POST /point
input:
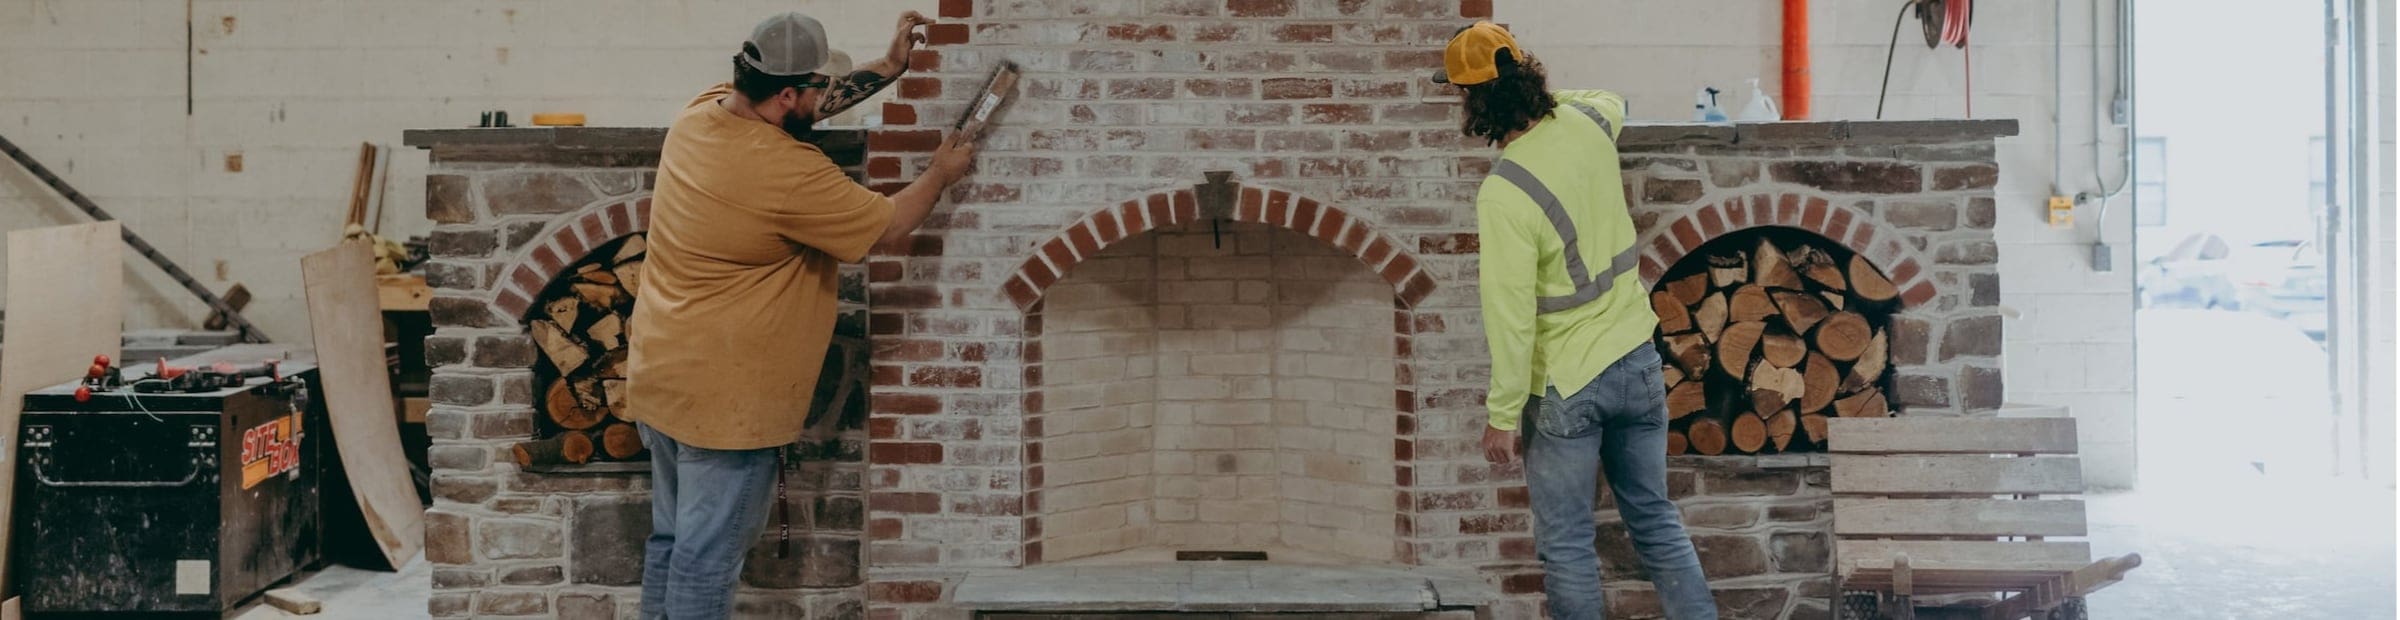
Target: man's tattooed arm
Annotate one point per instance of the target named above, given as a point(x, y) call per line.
point(849, 91)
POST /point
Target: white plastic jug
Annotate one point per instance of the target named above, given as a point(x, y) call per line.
point(1761, 107)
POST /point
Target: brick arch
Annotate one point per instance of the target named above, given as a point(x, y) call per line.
point(1885, 246)
point(1095, 232)
point(566, 240)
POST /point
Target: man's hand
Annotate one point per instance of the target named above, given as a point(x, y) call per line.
point(952, 160)
point(907, 39)
point(1499, 446)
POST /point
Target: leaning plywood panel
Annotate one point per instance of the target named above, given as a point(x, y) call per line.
point(343, 316)
point(65, 305)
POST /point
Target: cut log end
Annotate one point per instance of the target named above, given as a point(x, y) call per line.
point(1687, 398)
point(1688, 290)
point(1815, 426)
point(1676, 443)
point(1844, 336)
point(569, 448)
point(1673, 317)
point(1868, 283)
point(620, 441)
point(1707, 437)
point(566, 409)
point(1749, 433)
point(1780, 427)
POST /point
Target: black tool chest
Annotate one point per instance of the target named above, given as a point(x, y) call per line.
point(168, 502)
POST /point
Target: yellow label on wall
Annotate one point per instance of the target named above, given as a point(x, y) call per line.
point(2062, 212)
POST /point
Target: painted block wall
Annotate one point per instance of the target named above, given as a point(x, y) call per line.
point(96, 89)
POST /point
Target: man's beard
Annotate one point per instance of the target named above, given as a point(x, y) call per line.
point(800, 127)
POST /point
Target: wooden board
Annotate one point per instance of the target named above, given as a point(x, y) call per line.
point(1952, 435)
point(66, 303)
point(348, 329)
point(1952, 475)
point(1956, 554)
point(402, 292)
point(1957, 517)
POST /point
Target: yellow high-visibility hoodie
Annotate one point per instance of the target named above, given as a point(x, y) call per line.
point(1544, 329)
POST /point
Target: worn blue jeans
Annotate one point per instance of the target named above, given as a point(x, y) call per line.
point(707, 508)
point(1617, 424)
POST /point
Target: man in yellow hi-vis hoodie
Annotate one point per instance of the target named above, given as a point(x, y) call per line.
point(1569, 326)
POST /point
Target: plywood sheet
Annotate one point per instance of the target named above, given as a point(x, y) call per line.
point(343, 316)
point(66, 303)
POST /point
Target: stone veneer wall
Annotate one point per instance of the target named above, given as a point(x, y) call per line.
point(511, 207)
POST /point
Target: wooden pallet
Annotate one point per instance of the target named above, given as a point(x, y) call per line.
point(1962, 506)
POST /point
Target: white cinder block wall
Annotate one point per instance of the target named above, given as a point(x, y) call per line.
point(96, 88)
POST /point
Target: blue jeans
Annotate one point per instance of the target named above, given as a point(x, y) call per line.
point(706, 510)
point(1617, 424)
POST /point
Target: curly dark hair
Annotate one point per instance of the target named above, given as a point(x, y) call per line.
point(757, 85)
point(1510, 103)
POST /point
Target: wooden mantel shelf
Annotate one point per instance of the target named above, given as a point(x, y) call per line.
point(402, 292)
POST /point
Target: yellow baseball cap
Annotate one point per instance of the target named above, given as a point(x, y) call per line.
point(1473, 54)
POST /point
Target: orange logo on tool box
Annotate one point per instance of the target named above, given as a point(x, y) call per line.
point(271, 449)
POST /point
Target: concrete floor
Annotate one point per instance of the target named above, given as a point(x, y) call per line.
point(356, 593)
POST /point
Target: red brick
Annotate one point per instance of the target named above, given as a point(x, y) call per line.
point(1736, 215)
point(1712, 221)
point(1336, 114)
point(1404, 401)
point(1525, 583)
point(1837, 225)
point(1131, 217)
point(1221, 139)
point(884, 271)
point(1861, 238)
point(620, 220)
point(946, 376)
point(1059, 255)
point(920, 88)
point(883, 167)
point(1398, 269)
point(883, 428)
point(904, 141)
point(1141, 32)
point(526, 278)
point(513, 303)
point(1081, 239)
point(904, 453)
point(1279, 208)
point(1354, 241)
point(1304, 214)
point(1664, 245)
point(1685, 233)
point(1105, 222)
point(884, 529)
point(905, 591)
point(1453, 243)
point(946, 34)
point(1762, 210)
point(957, 8)
point(885, 324)
point(1141, 88)
point(1404, 449)
point(907, 350)
point(899, 114)
point(548, 260)
point(1917, 295)
point(1296, 88)
point(925, 60)
point(1475, 9)
point(1516, 549)
point(1303, 33)
point(1214, 88)
point(1378, 249)
point(1160, 212)
point(1905, 271)
point(1330, 224)
point(1403, 348)
point(1651, 270)
point(1259, 8)
point(1039, 273)
point(1416, 289)
point(1252, 207)
point(1186, 205)
point(907, 404)
point(1515, 497)
point(1787, 210)
point(1812, 216)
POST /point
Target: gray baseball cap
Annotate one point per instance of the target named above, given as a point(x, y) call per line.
point(787, 44)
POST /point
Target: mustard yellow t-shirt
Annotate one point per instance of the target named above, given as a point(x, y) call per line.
point(737, 298)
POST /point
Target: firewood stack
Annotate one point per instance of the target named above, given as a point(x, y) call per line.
point(579, 327)
point(1764, 342)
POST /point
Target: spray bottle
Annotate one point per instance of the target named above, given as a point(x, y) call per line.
point(1704, 109)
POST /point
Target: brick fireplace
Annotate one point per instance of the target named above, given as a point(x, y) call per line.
point(1083, 360)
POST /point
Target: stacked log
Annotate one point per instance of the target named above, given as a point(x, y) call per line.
point(1764, 339)
point(579, 329)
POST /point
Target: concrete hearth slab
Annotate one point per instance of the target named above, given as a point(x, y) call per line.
point(1222, 587)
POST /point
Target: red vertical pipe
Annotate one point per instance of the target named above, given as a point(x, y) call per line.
point(1795, 60)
